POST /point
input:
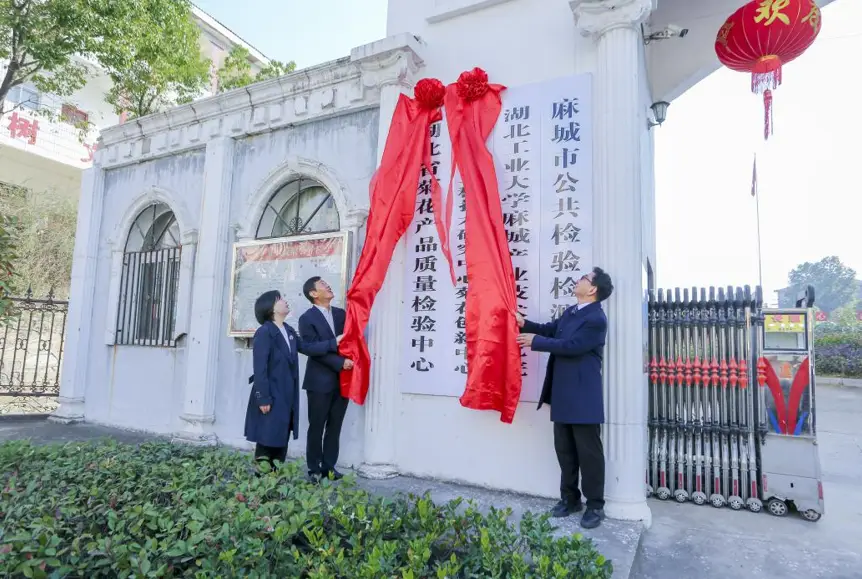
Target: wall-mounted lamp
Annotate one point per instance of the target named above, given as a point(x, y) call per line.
point(659, 113)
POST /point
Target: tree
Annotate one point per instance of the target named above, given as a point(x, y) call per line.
point(834, 283)
point(8, 226)
point(236, 70)
point(47, 44)
point(44, 239)
point(162, 65)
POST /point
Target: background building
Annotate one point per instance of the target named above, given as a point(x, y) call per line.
point(47, 152)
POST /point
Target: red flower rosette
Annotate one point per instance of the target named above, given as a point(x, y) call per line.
point(472, 84)
point(429, 93)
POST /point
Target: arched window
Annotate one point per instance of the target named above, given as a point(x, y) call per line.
point(147, 307)
point(299, 207)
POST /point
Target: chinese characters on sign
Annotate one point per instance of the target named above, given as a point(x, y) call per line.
point(284, 265)
point(23, 128)
point(427, 272)
point(543, 160)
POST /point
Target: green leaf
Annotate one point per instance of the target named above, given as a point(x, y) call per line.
point(325, 531)
point(149, 48)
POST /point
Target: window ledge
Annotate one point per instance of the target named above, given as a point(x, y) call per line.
point(447, 9)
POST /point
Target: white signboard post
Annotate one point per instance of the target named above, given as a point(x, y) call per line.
point(542, 148)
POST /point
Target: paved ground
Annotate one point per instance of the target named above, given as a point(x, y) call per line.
point(690, 541)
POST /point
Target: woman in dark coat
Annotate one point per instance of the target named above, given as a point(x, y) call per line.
point(273, 406)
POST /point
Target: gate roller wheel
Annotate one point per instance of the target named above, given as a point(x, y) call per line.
point(811, 515)
point(777, 507)
point(754, 505)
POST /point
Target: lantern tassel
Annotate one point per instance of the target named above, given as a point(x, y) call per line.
point(767, 114)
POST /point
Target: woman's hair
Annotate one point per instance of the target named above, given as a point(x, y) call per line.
point(264, 306)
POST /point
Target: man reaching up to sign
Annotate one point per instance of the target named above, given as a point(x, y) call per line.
point(573, 388)
point(326, 406)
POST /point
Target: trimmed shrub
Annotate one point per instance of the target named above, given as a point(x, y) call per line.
point(838, 354)
point(158, 510)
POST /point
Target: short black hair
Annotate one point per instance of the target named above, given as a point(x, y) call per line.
point(309, 286)
point(603, 284)
point(264, 306)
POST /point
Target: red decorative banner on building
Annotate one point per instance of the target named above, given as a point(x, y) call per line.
point(493, 357)
point(393, 203)
point(23, 128)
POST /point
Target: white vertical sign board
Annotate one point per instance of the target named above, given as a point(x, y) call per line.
point(542, 148)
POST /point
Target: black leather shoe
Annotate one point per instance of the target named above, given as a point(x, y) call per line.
point(564, 509)
point(592, 518)
point(314, 477)
point(334, 475)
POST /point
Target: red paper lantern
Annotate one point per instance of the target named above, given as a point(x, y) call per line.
point(762, 36)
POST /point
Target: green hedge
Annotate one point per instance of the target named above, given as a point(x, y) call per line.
point(838, 354)
point(158, 510)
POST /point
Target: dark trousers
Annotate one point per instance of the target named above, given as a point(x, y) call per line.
point(270, 454)
point(326, 412)
point(579, 448)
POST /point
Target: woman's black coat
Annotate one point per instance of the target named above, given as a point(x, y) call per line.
point(276, 383)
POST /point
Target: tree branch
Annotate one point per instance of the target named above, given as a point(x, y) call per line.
point(7, 85)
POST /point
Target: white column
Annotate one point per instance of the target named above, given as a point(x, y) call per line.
point(388, 66)
point(207, 326)
point(82, 294)
point(619, 124)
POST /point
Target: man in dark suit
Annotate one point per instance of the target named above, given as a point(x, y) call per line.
point(326, 406)
point(573, 388)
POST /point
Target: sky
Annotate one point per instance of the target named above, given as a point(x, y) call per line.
point(810, 194)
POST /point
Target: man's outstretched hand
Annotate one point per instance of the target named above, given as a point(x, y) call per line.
point(526, 340)
point(520, 319)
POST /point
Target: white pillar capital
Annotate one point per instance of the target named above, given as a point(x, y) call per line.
point(596, 17)
point(393, 61)
point(354, 219)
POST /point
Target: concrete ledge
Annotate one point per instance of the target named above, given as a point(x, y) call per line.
point(839, 381)
point(18, 418)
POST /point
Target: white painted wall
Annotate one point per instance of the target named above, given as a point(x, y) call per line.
point(132, 386)
point(515, 41)
point(346, 144)
point(142, 387)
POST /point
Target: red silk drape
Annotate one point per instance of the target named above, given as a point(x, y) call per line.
point(393, 204)
point(493, 356)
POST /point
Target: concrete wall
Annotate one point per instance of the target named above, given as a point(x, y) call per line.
point(132, 386)
point(515, 41)
point(142, 387)
point(348, 146)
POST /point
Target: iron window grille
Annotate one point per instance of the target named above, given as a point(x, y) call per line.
point(149, 284)
point(299, 207)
